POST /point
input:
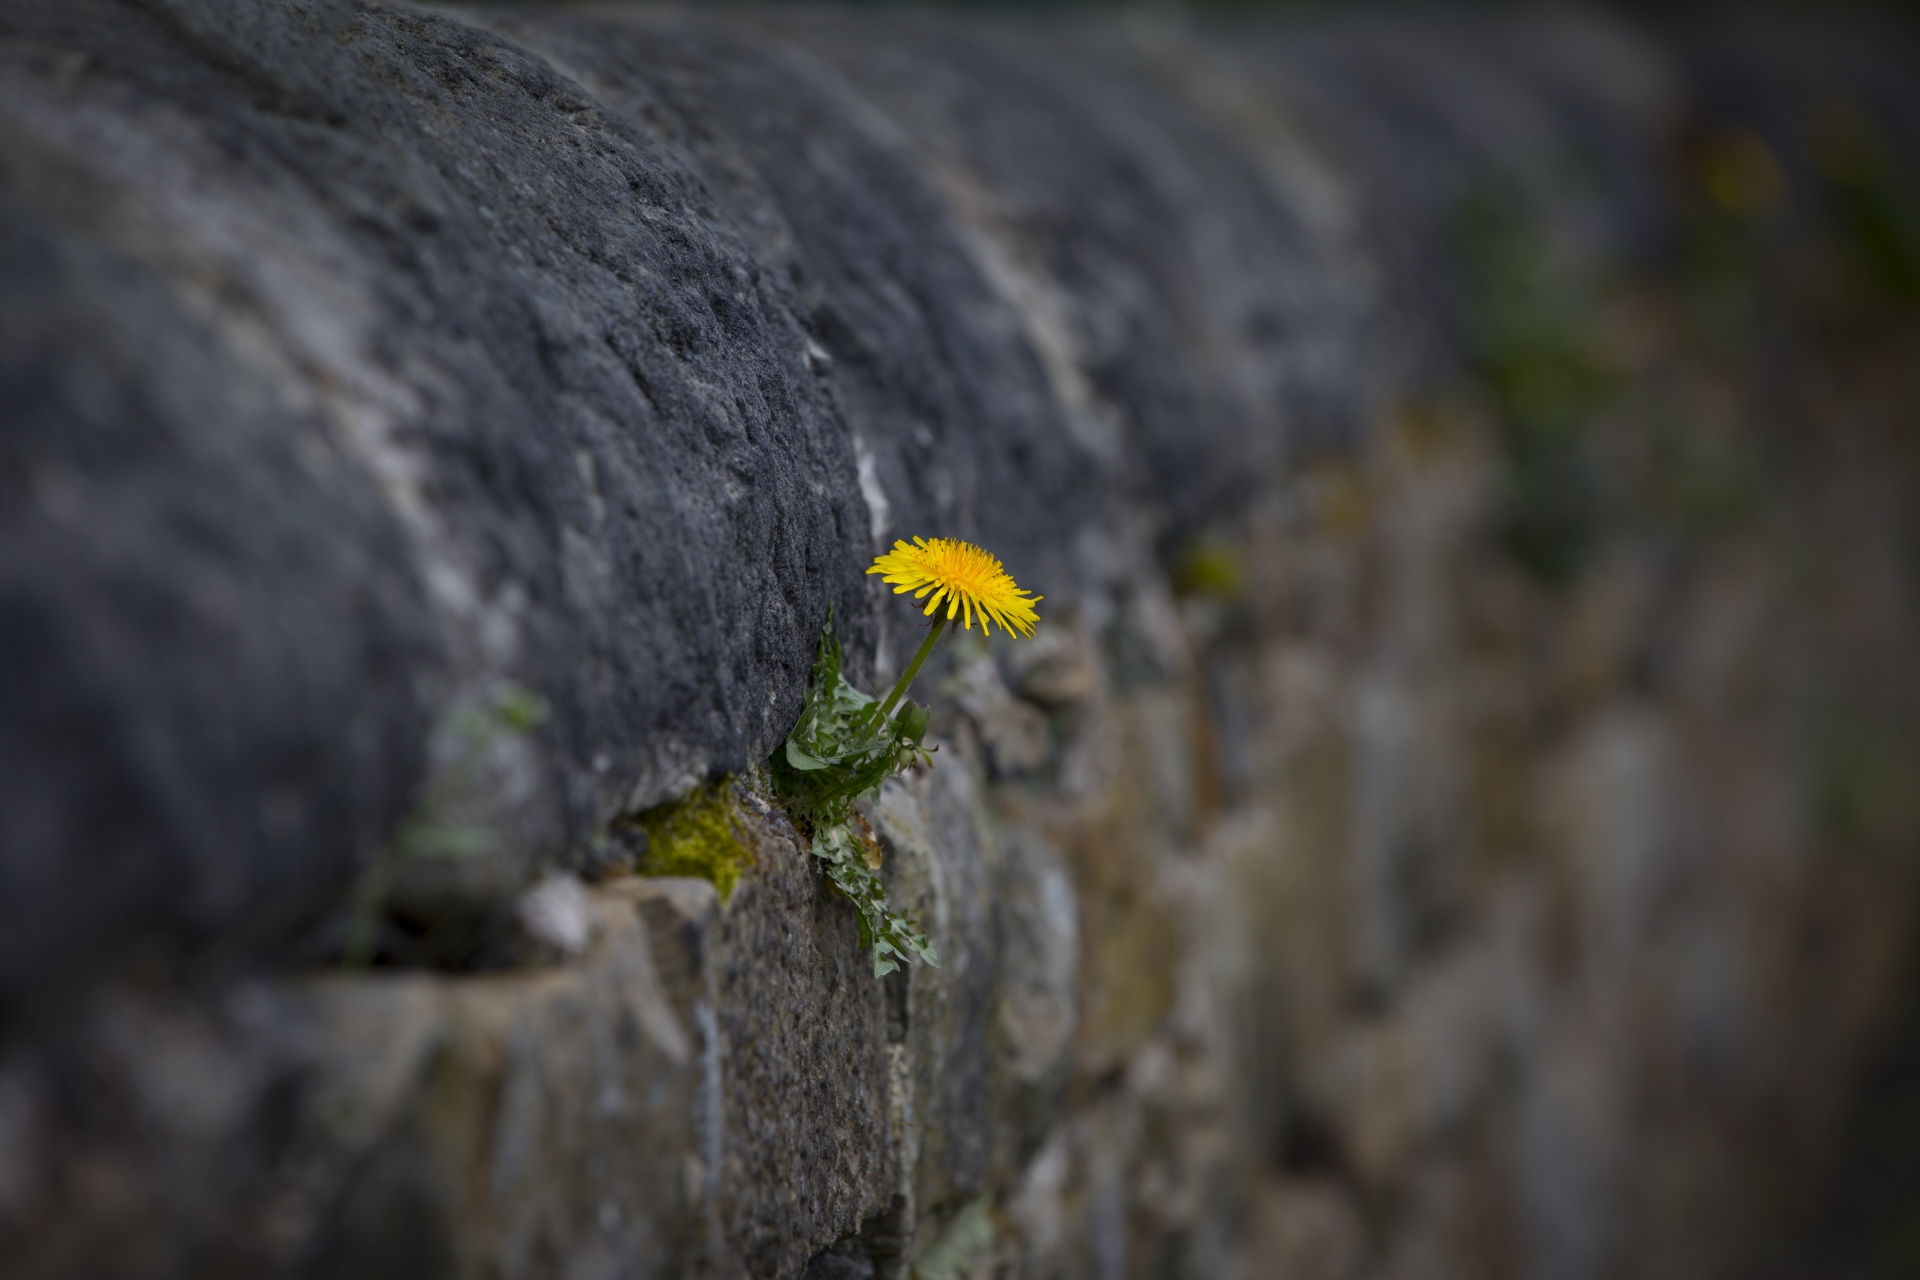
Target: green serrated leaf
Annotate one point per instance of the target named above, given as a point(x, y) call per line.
point(800, 758)
point(842, 748)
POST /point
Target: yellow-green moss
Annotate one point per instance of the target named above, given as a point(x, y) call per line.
point(1210, 566)
point(697, 835)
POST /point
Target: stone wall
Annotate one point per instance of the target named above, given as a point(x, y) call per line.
point(1458, 817)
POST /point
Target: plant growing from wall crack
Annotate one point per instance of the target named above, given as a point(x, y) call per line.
point(846, 743)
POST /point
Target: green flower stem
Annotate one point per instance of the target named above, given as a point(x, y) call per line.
point(913, 668)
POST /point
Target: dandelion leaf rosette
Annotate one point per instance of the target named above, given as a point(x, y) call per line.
point(841, 748)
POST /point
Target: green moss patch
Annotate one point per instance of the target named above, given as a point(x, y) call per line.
point(697, 835)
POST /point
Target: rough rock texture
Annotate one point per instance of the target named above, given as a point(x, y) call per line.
point(1456, 818)
point(446, 299)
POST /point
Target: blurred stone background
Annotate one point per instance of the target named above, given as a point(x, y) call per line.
point(1459, 817)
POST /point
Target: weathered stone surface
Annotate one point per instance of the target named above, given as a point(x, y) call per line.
point(1341, 884)
point(956, 426)
point(705, 1090)
point(1096, 199)
point(525, 405)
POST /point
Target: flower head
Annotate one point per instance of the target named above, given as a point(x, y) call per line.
point(967, 579)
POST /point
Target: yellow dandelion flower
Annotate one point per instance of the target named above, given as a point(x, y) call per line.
point(969, 581)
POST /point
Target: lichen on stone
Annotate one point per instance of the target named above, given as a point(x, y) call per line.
point(967, 1242)
point(697, 835)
